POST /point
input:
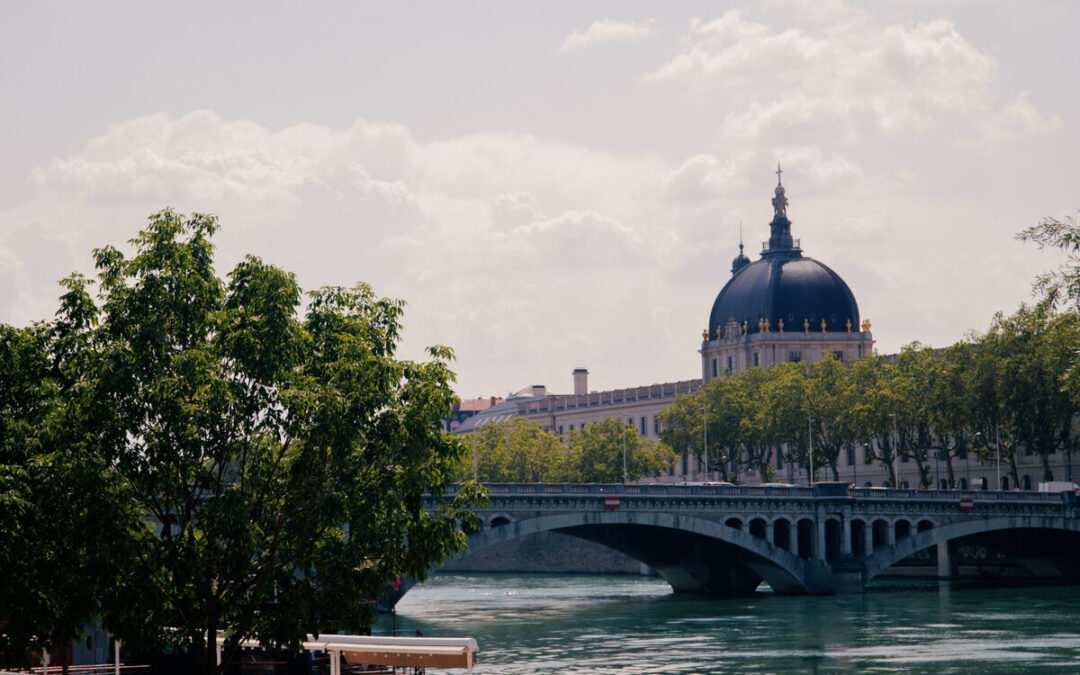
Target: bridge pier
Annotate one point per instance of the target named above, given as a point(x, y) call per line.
point(947, 563)
point(819, 541)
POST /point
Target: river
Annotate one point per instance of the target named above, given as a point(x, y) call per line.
point(627, 624)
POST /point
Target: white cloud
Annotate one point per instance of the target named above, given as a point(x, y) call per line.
point(848, 79)
point(607, 30)
point(703, 176)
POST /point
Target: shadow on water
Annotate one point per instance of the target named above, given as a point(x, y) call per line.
point(539, 623)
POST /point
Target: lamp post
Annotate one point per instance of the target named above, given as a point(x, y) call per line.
point(474, 469)
point(967, 463)
point(625, 478)
point(705, 438)
point(895, 454)
point(810, 442)
point(997, 442)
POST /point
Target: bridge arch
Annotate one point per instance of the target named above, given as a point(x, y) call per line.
point(710, 556)
point(917, 541)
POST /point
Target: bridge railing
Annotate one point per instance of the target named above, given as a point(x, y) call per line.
point(956, 495)
point(676, 490)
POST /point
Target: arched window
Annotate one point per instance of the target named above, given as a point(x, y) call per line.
point(1027, 482)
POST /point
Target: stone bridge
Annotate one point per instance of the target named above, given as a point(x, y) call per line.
point(831, 538)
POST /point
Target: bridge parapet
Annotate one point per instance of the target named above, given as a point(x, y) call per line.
point(674, 490)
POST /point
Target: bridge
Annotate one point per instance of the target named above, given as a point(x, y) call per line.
point(825, 539)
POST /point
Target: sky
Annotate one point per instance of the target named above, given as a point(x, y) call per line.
point(550, 185)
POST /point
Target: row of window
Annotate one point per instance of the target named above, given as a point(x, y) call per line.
point(643, 426)
point(793, 357)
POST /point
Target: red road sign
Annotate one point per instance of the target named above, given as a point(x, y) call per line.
point(967, 503)
point(611, 502)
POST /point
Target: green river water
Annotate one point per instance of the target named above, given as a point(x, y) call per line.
point(627, 624)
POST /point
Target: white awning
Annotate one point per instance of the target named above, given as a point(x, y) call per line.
point(423, 652)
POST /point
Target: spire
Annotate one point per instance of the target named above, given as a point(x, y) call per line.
point(741, 260)
point(780, 241)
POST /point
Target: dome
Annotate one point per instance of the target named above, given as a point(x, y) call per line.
point(783, 285)
point(740, 261)
point(789, 288)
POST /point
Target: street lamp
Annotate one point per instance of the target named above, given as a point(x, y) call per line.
point(474, 471)
point(895, 454)
point(997, 439)
point(937, 468)
point(705, 438)
point(810, 442)
point(625, 478)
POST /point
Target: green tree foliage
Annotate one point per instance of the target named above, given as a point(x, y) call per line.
point(597, 451)
point(1060, 286)
point(67, 526)
point(991, 394)
point(519, 451)
point(1026, 354)
point(282, 459)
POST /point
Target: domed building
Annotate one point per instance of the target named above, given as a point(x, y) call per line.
point(782, 307)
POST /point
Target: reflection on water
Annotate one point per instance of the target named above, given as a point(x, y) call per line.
point(627, 624)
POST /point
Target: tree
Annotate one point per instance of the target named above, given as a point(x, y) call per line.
point(283, 460)
point(1032, 349)
point(597, 451)
point(69, 531)
point(1060, 286)
point(518, 451)
point(950, 414)
point(831, 394)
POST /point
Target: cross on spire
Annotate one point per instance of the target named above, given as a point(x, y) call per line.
point(778, 172)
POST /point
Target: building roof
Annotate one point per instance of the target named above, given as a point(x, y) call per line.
point(783, 285)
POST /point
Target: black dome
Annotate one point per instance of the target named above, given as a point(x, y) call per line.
point(783, 286)
point(791, 288)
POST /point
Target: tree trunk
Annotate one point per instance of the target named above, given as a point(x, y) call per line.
point(924, 472)
point(890, 465)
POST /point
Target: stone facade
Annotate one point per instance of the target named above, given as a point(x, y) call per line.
point(735, 352)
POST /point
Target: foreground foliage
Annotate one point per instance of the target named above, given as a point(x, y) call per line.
point(276, 464)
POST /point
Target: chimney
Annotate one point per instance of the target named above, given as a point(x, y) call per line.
point(492, 400)
point(581, 381)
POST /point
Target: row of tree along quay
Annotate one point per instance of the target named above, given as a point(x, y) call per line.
point(520, 451)
point(1014, 388)
point(182, 454)
point(991, 395)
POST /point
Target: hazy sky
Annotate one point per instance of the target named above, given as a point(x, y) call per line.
point(550, 185)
